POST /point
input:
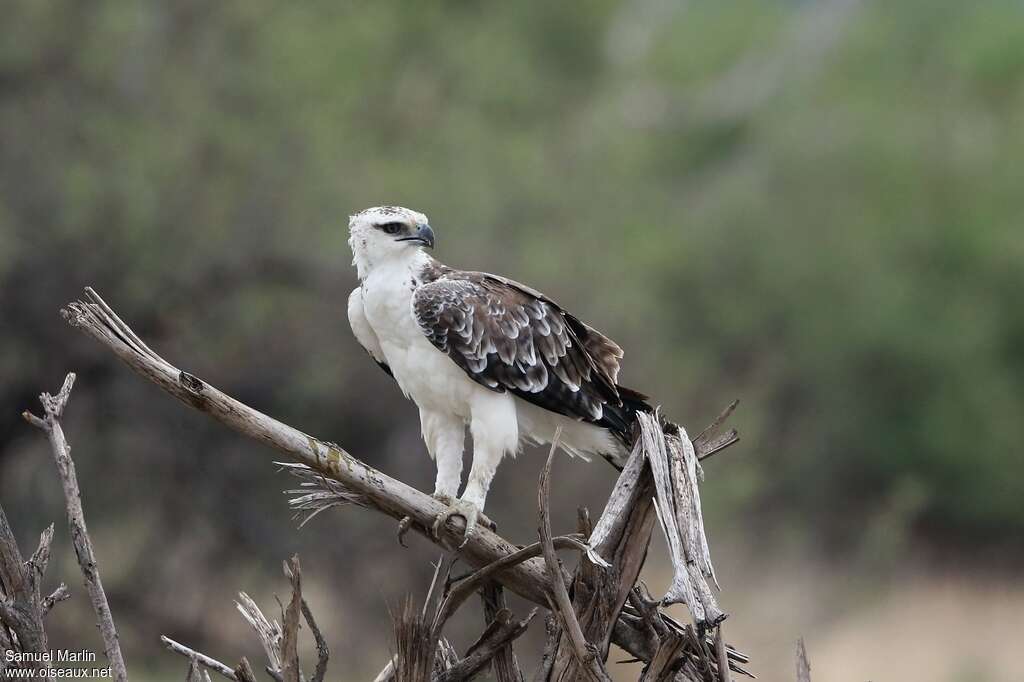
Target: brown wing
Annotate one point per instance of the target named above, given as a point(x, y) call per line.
point(509, 337)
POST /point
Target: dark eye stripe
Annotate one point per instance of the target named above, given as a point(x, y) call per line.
point(391, 228)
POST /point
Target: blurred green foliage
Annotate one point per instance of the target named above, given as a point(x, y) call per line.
point(814, 207)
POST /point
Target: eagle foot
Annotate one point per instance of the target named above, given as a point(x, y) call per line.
point(468, 511)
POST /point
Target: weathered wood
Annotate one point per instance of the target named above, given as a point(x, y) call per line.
point(673, 463)
point(803, 667)
point(290, 634)
point(505, 666)
point(323, 653)
point(721, 655)
point(21, 604)
point(415, 647)
point(53, 407)
point(620, 537)
point(587, 659)
point(380, 492)
point(201, 659)
point(497, 638)
point(665, 661)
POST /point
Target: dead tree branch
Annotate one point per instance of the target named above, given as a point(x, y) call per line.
point(620, 536)
point(22, 607)
point(53, 409)
point(505, 665)
point(196, 657)
point(586, 654)
point(803, 667)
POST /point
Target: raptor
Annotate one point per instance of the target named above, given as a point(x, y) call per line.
point(479, 351)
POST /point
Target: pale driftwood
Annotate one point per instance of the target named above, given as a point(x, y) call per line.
point(803, 667)
point(673, 462)
point(373, 488)
point(268, 632)
point(53, 409)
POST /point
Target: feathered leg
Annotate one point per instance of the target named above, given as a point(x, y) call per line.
point(445, 437)
point(495, 432)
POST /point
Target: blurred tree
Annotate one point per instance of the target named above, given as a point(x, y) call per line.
point(812, 206)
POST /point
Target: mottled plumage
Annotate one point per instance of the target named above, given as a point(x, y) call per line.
point(509, 337)
point(479, 350)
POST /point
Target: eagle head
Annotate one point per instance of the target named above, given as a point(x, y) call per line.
point(385, 232)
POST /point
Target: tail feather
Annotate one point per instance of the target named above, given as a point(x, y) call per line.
point(621, 419)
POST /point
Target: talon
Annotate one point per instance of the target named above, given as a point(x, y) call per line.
point(467, 510)
point(403, 527)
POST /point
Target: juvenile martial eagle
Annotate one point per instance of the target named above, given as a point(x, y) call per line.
point(481, 350)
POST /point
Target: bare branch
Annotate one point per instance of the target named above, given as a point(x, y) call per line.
point(202, 659)
point(53, 407)
point(375, 490)
point(494, 640)
point(547, 661)
point(269, 633)
point(722, 655)
point(21, 603)
point(469, 585)
point(193, 672)
point(290, 637)
point(322, 651)
point(244, 671)
point(666, 660)
point(803, 667)
point(586, 655)
point(62, 593)
point(505, 665)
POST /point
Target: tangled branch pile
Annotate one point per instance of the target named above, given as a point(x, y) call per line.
point(600, 603)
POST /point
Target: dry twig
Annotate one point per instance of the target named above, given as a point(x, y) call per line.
point(586, 653)
point(53, 409)
point(803, 667)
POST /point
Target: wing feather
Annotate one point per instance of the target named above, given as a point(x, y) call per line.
point(363, 332)
point(509, 337)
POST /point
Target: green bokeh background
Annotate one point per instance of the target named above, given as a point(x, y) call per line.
point(811, 206)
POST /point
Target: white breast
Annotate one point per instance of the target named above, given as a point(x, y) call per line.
point(425, 374)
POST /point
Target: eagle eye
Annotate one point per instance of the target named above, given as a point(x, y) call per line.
point(391, 228)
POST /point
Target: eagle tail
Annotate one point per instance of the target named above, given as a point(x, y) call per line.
point(621, 419)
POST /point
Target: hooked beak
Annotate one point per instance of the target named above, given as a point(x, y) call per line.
point(424, 235)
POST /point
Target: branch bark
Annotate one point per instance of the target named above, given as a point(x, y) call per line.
point(803, 667)
point(53, 409)
point(506, 667)
point(21, 603)
point(587, 657)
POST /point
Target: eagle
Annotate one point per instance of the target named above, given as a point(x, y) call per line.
point(477, 350)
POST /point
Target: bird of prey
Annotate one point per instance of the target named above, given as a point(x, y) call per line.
point(481, 351)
